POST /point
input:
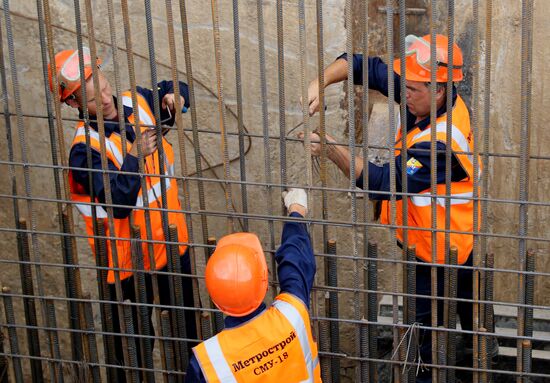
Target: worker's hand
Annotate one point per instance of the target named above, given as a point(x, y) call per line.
point(295, 201)
point(315, 140)
point(169, 101)
point(312, 97)
point(148, 143)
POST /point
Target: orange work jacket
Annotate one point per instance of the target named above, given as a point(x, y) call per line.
point(275, 346)
point(461, 204)
point(113, 145)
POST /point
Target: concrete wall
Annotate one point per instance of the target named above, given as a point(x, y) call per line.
point(504, 123)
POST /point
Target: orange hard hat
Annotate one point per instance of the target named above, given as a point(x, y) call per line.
point(67, 71)
point(236, 274)
point(418, 59)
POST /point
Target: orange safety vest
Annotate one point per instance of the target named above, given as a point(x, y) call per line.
point(275, 346)
point(113, 145)
point(461, 203)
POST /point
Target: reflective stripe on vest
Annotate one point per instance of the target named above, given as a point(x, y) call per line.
point(459, 199)
point(86, 210)
point(109, 146)
point(155, 190)
point(221, 367)
point(297, 322)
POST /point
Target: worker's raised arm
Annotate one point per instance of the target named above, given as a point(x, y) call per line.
point(337, 71)
point(295, 260)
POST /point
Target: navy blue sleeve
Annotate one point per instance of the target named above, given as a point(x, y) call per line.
point(194, 372)
point(124, 187)
point(295, 260)
point(164, 88)
point(417, 180)
point(378, 74)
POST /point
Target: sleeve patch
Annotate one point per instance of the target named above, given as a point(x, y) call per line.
point(413, 165)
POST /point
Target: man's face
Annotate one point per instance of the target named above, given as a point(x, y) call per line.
point(418, 99)
point(106, 94)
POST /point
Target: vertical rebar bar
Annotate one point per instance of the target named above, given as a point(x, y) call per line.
point(433, 181)
point(143, 320)
point(132, 351)
point(218, 324)
point(331, 279)
point(526, 364)
point(12, 333)
point(27, 289)
point(55, 351)
point(196, 141)
point(372, 308)
point(451, 337)
point(528, 311)
point(307, 138)
point(104, 294)
point(442, 355)
point(240, 125)
point(265, 130)
point(367, 367)
point(168, 360)
point(91, 339)
point(324, 343)
point(483, 354)
point(411, 307)
point(391, 147)
point(489, 323)
point(322, 125)
point(529, 291)
point(525, 150)
point(221, 111)
point(281, 78)
point(179, 315)
point(475, 126)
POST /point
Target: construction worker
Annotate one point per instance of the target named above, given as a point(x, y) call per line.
point(261, 344)
point(419, 165)
point(126, 189)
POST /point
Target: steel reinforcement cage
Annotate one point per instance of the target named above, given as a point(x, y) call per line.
point(364, 321)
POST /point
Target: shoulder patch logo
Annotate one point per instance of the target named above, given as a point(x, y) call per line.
point(413, 165)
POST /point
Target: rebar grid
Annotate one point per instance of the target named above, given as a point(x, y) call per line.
point(357, 328)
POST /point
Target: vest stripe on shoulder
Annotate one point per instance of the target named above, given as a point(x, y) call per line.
point(218, 361)
point(144, 117)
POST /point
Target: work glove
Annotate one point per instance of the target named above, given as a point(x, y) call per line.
point(295, 196)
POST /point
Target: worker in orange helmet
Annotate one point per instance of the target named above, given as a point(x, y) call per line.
point(261, 344)
point(128, 198)
point(418, 132)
